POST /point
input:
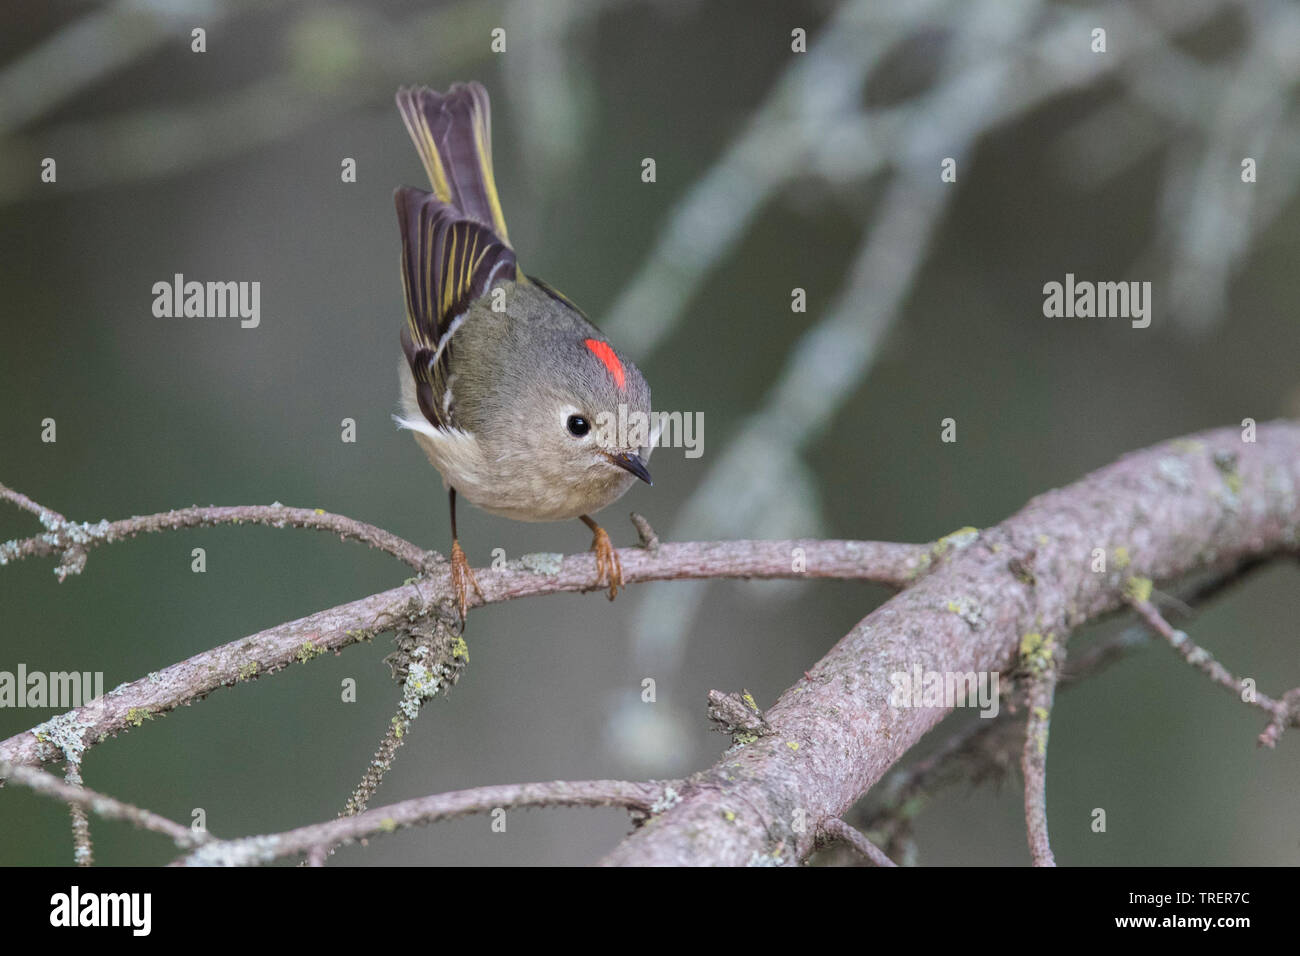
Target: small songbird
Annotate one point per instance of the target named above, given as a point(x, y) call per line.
point(515, 397)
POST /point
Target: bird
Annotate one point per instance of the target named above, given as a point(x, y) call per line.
point(515, 397)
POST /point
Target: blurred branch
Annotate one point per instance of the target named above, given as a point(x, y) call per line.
point(1283, 713)
point(761, 470)
point(813, 98)
point(336, 56)
point(87, 50)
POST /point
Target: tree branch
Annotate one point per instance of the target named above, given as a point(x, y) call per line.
point(1283, 712)
point(299, 641)
point(1205, 502)
point(839, 830)
point(314, 840)
point(1042, 657)
point(107, 807)
point(72, 540)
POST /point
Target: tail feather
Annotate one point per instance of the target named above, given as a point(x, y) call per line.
point(453, 133)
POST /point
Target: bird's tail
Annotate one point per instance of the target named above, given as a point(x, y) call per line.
point(453, 133)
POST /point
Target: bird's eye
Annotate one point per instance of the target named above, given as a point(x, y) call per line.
point(578, 426)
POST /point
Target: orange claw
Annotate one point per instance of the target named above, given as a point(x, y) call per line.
point(608, 567)
point(462, 579)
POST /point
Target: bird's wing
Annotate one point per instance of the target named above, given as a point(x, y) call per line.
point(448, 261)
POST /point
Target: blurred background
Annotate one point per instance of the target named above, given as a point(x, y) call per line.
point(776, 170)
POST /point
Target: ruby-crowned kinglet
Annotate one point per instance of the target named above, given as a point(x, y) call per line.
point(507, 386)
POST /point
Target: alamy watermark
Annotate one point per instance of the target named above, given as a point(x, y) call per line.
point(922, 688)
point(208, 300)
point(1102, 300)
point(59, 689)
point(635, 429)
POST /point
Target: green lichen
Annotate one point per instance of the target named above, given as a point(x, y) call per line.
point(954, 541)
point(62, 735)
point(1121, 559)
point(1037, 652)
point(792, 744)
point(136, 716)
point(249, 670)
point(729, 816)
point(968, 610)
point(748, 698)
point(920, 565)
point(1138, 589)
point(1226, 462)
point(421, 684)
point(459, 649)
point(307, 650)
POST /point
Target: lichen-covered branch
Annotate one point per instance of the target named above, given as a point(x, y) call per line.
point(1041, 657)
point(1206, 502)
point(129, 705)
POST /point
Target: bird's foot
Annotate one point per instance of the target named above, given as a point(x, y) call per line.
point(462, 579)
point(609, 569)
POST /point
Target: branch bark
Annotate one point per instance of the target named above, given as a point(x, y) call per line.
point(129, 705)
point(1205, 502)
point(318, 838)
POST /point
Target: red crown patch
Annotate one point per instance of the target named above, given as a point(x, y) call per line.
point(606, 354)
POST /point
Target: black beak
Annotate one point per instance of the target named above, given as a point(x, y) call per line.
point(634, 464)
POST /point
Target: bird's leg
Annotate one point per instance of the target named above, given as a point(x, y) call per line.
point(462, 576)
point(608, 567)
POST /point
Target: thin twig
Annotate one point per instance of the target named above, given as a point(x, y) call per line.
point(840, 830)
point(103, 806)
point(83, 852)
point(66, 536)
point(1042, 657)
point(247, 851)
point(429, 658)
point(1283, 712)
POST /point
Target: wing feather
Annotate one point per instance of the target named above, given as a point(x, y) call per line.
point(448, 261)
